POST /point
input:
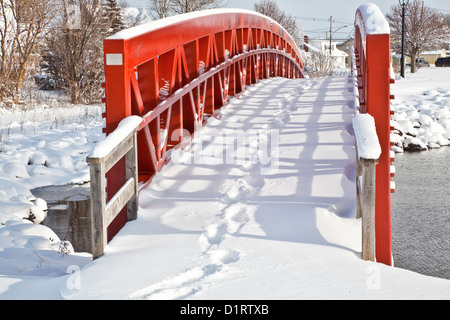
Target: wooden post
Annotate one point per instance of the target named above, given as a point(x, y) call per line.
point(98, 208)
point(132, 173)
point(368, 207)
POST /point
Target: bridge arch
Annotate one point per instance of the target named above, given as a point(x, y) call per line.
point(178, 71)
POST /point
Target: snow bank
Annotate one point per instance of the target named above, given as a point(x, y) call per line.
point(422, 110)
point(39, 147)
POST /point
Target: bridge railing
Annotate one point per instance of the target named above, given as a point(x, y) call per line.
point(177, 72)
point(121, 144)
point(373, 66)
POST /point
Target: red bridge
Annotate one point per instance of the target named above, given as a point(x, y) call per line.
point(167, 78)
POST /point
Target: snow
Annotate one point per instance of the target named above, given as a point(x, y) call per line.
point(422, 110)
point(39, 146)
point(260, 205)
point(373, 21)
point(366, 136)
point(124, 128)
point(162, 23)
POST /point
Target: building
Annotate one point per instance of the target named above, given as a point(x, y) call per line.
point(432, 56)
point(347, 46)
point(323, 46)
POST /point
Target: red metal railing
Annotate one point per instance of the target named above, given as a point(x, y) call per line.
point(372, 50)
point(178, 71)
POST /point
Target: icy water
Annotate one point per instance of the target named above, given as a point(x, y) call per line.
point(421, 212)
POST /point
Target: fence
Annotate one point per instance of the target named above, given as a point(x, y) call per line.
point(373, 65)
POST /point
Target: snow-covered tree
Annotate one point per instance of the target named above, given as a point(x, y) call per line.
point(425, 29)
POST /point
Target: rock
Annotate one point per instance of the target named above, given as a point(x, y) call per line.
point(414, 144)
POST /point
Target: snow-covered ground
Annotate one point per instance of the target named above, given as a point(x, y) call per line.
point(422, 110)
point(279, 224)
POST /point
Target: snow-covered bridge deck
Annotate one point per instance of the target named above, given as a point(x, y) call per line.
point(205, 228)
point(231, 230)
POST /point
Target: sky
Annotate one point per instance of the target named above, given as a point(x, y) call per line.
point(314, 15)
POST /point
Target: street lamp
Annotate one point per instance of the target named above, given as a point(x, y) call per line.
point(402, 62)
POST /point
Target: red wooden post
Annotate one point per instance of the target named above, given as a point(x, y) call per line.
point(378, 105)
point(118, 99)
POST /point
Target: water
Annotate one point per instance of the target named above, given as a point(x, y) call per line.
point(421, 212)
point(68, 213)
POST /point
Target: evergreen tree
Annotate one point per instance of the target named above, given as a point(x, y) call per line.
point(113, 17)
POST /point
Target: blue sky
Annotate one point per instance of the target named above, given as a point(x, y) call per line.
point(343, 12)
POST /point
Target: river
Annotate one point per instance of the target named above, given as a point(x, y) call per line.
point(421, 212)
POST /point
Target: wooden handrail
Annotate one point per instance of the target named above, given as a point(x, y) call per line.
point(122, 143)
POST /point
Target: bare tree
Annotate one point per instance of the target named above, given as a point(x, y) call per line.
point(159, 9)
point(185, 6)
point(271, 9)
point(24, 24)
point(425, 29)
point(163, 8)
point(318, 64)
point(74, 48)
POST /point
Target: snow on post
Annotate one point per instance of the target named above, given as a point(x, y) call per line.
point(372, 20)
point(125, 127)
point(366, 136)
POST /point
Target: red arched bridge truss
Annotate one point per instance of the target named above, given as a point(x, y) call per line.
point(176, 72)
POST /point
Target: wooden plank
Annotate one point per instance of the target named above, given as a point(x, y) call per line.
point(119, 152)
point(119, 200)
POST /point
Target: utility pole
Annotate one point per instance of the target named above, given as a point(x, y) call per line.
point(402, 61)
point(331, 31)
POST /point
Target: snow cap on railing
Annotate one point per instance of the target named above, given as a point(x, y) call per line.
point(125, 127)
point(162, 23)
point(366, 136)
point(373, 20)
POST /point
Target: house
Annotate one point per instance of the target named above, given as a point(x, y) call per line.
point(347, 46)
point(323, 46)
point(432, 56)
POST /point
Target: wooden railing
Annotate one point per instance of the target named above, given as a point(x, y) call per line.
point(121, 144)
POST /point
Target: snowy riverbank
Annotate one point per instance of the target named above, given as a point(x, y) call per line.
point(422, 110)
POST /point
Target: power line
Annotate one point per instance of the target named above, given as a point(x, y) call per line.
point(321, 20)
point(444, 10)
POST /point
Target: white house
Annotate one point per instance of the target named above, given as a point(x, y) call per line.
point(323, 46)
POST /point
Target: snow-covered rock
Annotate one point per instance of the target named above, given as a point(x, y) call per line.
point(422, 110)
